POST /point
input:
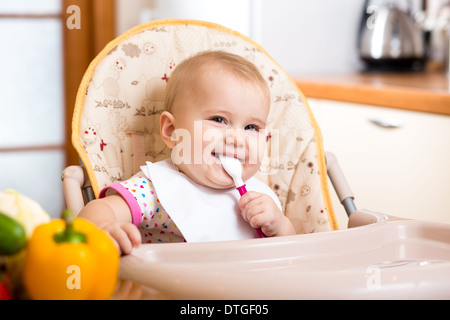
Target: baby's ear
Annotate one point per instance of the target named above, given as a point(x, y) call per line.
point(167, 126)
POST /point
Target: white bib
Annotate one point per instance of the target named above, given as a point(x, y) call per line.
point(202, 213)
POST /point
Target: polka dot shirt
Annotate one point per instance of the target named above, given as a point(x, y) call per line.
point(148, 215)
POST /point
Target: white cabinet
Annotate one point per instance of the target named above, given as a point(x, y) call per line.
point(402, 171)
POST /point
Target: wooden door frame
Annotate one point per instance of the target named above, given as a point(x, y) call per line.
point(97, 28)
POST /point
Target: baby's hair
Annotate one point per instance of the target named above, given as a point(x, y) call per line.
point(185, 73)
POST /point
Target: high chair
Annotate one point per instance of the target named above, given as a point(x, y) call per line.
point(115, 129)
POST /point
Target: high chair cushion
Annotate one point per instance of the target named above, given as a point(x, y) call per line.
point(116, 119)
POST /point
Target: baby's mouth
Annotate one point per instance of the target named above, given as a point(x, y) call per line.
point(232, 155)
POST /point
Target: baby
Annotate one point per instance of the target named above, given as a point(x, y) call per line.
point(216, 103)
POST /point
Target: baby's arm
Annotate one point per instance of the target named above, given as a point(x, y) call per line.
point(260, 211)
point(113, 215)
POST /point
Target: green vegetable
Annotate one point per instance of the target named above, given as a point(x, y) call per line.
point(12, 235)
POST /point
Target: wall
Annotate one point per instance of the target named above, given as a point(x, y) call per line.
point(303, 36)
point(312, 36)
point(234, 14)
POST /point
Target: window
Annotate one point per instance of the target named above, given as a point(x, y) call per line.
point(43, 62)
point(32, 133)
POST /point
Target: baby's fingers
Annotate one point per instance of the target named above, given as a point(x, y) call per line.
point(125, 237)
point(133, 234)
point(251, 212)
point(247, 198)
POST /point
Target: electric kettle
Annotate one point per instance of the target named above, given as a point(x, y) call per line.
point(390, 38)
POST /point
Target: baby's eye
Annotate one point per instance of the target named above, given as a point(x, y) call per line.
point(218, 119)
point(252, 127)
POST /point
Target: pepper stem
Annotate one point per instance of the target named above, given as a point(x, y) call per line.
point(69, 234)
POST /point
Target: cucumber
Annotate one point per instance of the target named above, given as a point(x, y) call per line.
point(12, 235)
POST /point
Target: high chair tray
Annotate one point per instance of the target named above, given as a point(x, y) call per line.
point(406, 259)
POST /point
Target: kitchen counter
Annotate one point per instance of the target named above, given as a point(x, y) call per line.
point(425, 92)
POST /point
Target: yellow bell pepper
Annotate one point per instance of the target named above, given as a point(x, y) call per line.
point(70, 258)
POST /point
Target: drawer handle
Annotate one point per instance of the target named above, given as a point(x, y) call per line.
point(388, 123)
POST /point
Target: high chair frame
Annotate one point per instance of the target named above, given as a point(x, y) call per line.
point(81, 184)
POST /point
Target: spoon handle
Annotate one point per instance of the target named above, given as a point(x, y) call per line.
point(243, 190)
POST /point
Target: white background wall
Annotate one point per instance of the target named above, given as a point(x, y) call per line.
point(303, 36)
point(312, 36)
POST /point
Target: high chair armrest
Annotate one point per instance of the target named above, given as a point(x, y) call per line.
point(340, 183)
point(73, 179)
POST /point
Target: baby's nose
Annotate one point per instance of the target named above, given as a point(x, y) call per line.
point(235, 137)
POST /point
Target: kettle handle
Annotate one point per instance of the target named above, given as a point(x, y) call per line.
point(362, 23)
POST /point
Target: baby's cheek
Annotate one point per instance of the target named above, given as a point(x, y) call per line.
point(256, 151)
point(249, 170)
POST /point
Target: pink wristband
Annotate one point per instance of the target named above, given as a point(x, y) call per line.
point(129, 199)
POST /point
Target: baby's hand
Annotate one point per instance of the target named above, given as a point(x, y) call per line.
point(260, 211)
point(124, 234)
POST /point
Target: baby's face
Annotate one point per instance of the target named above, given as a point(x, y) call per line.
point(221, 115)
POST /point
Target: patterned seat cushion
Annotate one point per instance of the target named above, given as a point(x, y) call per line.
point(116, 118)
